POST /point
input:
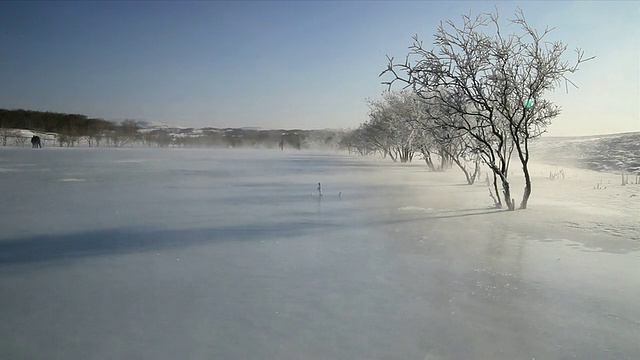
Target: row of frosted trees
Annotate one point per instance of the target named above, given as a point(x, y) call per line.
point(401, 128)
point(477, 96)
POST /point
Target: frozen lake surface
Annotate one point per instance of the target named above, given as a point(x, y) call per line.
point(230, 254)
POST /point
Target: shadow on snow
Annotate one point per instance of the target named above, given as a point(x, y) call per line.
point(62, 247)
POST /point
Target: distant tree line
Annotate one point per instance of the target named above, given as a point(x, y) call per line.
point(42, 121)
point(71, 130)
point(67, 129)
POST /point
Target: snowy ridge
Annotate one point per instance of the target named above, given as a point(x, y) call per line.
point(608, 153)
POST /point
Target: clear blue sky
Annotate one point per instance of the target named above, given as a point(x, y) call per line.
point(280, 64)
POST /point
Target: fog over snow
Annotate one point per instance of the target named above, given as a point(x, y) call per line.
point(228, 254)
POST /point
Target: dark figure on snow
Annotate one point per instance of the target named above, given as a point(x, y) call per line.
point(281, 144)
point(35, 142)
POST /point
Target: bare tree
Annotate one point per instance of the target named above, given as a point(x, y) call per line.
point(20, 140)
point(491, 86)
point(116, 139)
point(62, 139)
point(389, 127)
point(425, 144)
point(88, 139)
point(73, 138)
point(5, 134)
point(97, 132)
point(451, 146)
point(355, 141)
point(461, 150)
point(129, 129)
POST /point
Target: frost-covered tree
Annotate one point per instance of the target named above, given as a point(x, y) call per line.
point(20, 140)
point(355, 141)
point(390, 125)
point(459, 149)
point(451, 146)
point(5, 134)
point(374, 135)
point(491, 84)
point(402, 124)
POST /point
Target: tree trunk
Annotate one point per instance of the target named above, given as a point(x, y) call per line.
point(404, 155)
point(476, 171)
point(464, 170)
point(507, 192)
point(527, 186)
point(445, 161)
point(495, 187)
point(427, 159)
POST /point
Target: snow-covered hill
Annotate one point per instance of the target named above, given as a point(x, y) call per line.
point(610, 153)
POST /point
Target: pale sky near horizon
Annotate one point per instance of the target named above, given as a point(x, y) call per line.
point(295, 64)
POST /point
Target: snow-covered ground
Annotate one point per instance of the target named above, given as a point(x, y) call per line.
point(230, 254)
